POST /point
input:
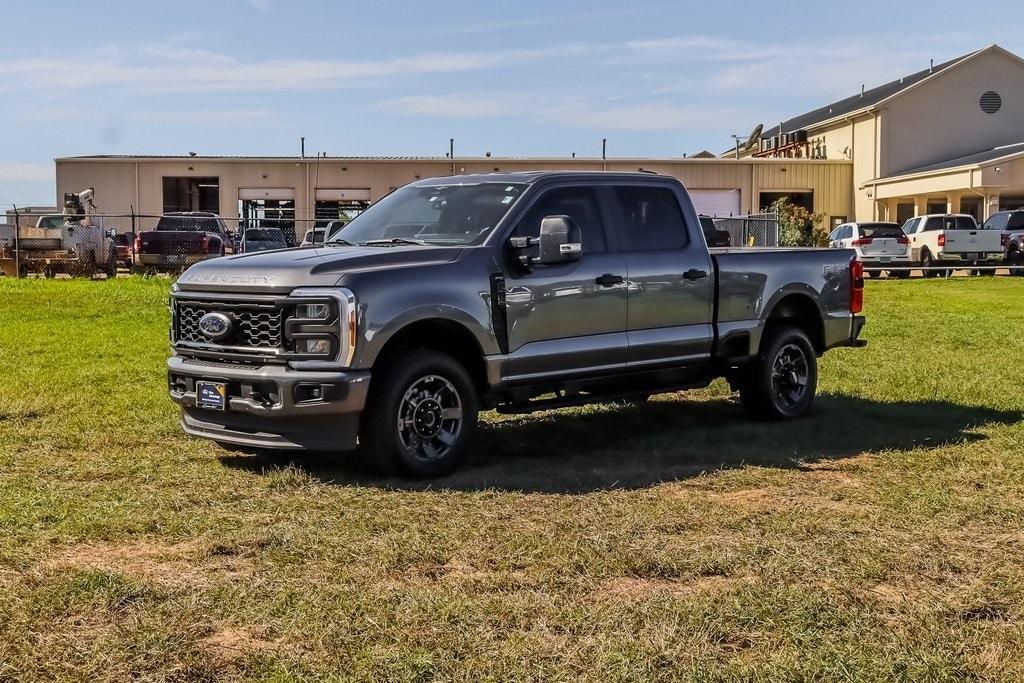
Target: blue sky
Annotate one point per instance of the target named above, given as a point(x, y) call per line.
point(399, 78)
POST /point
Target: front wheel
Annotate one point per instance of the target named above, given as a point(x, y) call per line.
point(421, 415)
point(781, 382)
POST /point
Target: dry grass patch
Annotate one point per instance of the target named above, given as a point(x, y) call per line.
point(188, 563)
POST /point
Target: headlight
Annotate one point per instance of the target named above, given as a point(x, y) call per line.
point(321, 327)
point(315, 311)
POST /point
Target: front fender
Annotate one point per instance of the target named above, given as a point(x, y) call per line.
point(376, 332)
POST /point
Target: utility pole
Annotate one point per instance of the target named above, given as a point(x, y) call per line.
point(451, 153)
point(604, 153)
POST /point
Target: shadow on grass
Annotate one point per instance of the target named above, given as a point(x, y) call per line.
point(605, 447)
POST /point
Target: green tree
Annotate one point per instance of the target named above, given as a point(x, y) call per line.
point(799, 227)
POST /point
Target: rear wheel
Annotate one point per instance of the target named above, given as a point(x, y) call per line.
point(1014, 259)
point(781, 382)
point(421, 415)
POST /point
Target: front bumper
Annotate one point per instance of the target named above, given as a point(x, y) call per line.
point(272, 406)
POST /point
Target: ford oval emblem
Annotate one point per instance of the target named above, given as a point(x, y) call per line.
point(215, 325)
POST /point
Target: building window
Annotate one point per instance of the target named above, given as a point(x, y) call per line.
point(904, 212)
point(191, 194)
point(991, 102)
point(936, 206)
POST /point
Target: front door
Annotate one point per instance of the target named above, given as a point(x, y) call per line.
point(567, 318)
point(671, 278)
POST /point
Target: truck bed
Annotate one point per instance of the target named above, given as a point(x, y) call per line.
point(751, 281)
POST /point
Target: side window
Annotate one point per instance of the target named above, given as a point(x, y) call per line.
point(1015, 220)
point(579, 204)
point(997, 221)
point(933, 223)
point(848, 233)
point(649, 219)
point(834, 235)
point(910, 226)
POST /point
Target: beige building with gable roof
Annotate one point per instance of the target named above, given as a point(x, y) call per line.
point(949, 138)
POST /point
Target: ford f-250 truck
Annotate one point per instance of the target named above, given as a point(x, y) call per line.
point(516, 292)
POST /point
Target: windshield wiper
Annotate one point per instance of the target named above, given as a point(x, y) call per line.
point(341, 242)
point(394, 240)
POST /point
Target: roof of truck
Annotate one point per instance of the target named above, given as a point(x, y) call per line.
point(534, 176)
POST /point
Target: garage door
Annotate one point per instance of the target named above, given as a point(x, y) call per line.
point(716, 202)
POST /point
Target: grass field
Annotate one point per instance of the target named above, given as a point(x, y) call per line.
point(880, 539)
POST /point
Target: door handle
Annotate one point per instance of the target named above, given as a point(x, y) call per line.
point(695, 274)
point(609, 280)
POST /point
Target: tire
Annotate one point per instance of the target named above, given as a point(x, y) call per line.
point(781, 382)
point(928, 262)
point(900, 274)
point(1014, 259)
point(421, 416)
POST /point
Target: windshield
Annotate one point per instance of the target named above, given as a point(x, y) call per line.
point(447, 214)
point(316, 236)
point(52, 222)
point(880, 230)
point(263, 236)
point(188, 223)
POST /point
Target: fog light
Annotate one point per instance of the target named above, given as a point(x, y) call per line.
point(320, 347)
point(312, 311)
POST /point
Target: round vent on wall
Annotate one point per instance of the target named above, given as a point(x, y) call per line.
point(991, 102)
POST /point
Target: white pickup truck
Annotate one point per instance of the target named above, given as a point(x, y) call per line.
point(952, 240)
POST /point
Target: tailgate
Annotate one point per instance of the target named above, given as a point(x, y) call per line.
point(884, 246)
point(972, 241)
point(172, 242)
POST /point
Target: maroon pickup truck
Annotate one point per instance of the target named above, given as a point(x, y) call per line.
point(181, 239)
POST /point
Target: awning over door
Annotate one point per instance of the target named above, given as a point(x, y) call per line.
point(282, 193)
point(342, 195)
point(716, 202)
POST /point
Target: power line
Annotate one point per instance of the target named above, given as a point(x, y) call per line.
point(31, 199)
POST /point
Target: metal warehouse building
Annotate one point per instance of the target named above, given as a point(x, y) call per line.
point(323, 187)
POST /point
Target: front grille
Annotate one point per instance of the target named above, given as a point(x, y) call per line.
point(254, 326)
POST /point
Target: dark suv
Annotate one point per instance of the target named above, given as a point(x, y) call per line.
point(1011, 224)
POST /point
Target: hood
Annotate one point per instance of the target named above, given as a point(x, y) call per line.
point(285, 269)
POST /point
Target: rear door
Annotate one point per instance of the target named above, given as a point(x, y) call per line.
point(568, 318)
point(670, 274)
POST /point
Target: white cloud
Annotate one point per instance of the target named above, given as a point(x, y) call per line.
point(163, 68)
point(592, 113)
point(451, 107)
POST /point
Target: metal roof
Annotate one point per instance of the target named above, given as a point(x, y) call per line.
point(988, 155)
point(868, 98)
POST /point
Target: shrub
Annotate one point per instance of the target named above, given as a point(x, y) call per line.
point(798, 227)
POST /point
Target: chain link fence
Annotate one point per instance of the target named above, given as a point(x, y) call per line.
point(755, 230)
point(53, 245)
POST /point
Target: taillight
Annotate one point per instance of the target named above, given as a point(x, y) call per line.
point(856, 286)
point(903, 239)
point(861, 242)
point(138, 243)
point(206, 242)
point(942, 239)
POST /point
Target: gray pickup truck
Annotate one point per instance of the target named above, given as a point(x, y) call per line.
point(516, 292)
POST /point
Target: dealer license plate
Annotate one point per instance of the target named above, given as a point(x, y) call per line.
point(211, 395)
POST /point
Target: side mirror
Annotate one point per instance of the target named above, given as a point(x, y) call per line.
point(559, 240)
